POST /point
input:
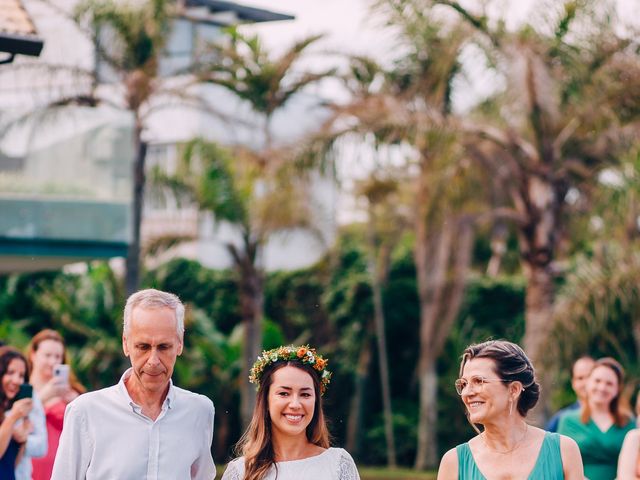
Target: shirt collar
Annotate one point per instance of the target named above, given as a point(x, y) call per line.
point(169, 402)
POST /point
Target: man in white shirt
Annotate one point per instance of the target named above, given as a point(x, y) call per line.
point(144, 427)
point(36, 445)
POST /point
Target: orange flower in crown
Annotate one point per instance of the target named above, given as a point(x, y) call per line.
point(303, 354)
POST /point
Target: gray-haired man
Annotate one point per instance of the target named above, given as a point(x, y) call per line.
point(143, 427)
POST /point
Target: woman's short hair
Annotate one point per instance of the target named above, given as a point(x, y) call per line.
point(511, 365)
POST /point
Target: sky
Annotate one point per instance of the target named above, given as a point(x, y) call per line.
point(350, 25)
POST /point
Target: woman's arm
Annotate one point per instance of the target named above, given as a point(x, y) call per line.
point(628, 459)
point(448, 469)
point(20, 409)
point(571, 459)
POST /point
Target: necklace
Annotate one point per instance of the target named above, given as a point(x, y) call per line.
point(516, 445)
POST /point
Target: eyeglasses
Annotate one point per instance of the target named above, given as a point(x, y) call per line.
point(477, 382)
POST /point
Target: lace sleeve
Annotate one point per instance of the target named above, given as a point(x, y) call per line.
point(347, 467)
point(232, 472)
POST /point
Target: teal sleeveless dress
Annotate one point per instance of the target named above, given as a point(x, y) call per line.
point(547, 467)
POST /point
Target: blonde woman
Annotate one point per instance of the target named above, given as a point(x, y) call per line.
point(45, 351)
point(288, 438)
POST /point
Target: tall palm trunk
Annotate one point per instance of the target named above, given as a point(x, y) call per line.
point(132, 276)
point(377, 278)
point(356, 408)
point(537, 237)
point(251, 289)
point(442, 259)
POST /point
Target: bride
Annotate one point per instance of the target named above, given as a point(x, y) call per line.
point(287, 437)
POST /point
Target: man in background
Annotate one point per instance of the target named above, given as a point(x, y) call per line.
point(579, 373)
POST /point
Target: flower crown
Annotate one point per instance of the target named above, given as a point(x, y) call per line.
point(303, 354)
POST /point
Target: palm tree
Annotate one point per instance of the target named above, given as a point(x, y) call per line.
point(598, 305)
point(412, 109)
point(258, 202)
point(567, 113)
point(245, 68)
point(385, 223)
point(136, 35)
point(128, 40)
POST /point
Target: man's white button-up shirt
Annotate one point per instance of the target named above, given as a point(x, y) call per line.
point(106, 436)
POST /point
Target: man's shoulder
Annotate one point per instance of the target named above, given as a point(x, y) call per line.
point(571, 419)
point(89, 399)
point(193, 399)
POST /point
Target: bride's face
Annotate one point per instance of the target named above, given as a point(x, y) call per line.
point(292, 401)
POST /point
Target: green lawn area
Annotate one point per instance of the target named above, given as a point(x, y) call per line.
point(370, 473)
point(377, 473)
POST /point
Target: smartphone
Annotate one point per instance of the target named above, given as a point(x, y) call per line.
point(61, 372)
point(25, 391)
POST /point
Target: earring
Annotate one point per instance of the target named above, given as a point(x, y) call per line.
point(510, 407)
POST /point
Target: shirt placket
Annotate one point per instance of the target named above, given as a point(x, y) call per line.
point(154, 451)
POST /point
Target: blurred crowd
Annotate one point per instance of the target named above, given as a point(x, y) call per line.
point(38, 384)
point(36, 387)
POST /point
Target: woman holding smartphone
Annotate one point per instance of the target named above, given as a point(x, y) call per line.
point(47, 356)
point(14, 426)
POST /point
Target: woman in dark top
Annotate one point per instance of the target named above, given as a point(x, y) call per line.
point(14, 426)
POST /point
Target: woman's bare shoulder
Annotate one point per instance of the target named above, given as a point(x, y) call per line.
point(448, 469)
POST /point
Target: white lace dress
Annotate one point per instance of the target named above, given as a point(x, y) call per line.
point(332, 464)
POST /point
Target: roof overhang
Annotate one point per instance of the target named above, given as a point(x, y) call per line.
point(34, 255)
point(230, 13)
point(17, 32)
point(17, 44)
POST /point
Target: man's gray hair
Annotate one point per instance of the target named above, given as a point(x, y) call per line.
point(152, 298)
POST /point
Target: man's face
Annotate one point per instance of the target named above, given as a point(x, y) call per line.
point(152, 344)
point(581, 371)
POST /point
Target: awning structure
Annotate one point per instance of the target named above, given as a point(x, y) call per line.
point(225, 13)
point(17, 33)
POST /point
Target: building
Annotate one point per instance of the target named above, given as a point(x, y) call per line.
point(68, 188)
point(17, 33)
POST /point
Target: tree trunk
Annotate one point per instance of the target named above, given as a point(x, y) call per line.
point(427, 454)
point(539, 299)
point(538, 241)
point(356, 409)
point(132, 275)
point(431, 278)
point(251, 288)
point(499, 234)
point(381, 338)
point(223, 430)
point(441, 290)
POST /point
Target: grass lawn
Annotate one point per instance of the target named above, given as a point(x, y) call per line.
point(370, 473)
point(377, 473)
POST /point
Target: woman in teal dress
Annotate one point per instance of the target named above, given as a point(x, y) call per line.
point(600, 426)
point(498, 387)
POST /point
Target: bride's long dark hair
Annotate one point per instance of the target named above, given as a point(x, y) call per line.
point(257, 443)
